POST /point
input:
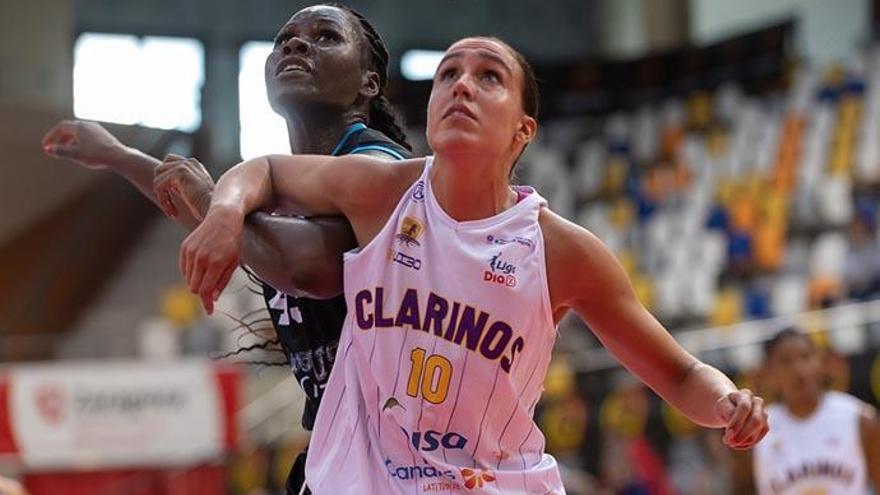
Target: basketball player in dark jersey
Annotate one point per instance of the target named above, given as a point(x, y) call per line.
point(326, 76)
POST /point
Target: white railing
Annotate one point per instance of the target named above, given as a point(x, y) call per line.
point(847, 327)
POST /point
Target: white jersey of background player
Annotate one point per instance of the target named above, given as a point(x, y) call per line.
point(454, 298)
point(820, 443)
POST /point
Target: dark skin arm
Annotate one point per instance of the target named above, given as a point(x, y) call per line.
point(364, 189)
point(295, 255)
point(310, 260)
point(299, 255)
point(91, 146)
point(743, 478)
point(869, 429)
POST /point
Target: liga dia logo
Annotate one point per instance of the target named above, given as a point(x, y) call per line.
point(476, 478)
point(50, 401)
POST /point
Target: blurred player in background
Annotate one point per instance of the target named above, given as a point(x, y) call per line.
point(821, 442)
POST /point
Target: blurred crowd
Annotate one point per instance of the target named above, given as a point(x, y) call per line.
point(724, 206)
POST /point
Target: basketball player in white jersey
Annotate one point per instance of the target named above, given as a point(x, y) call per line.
point(822, 442)
point(454, 295)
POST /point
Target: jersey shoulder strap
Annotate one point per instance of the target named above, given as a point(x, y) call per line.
point(367, 139)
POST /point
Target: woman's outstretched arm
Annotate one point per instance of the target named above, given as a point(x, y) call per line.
point(585, 277)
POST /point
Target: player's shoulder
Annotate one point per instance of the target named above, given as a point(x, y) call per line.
point(843, 401)
point(378, 180)
point(372, 168)
point(570, 252)
point(565, 239)
point(845, 407)
point(375, 143)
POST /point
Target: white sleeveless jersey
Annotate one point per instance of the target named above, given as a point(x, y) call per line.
point(442, 358)
point(819, 455)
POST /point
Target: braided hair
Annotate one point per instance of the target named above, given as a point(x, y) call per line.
point(382, 115)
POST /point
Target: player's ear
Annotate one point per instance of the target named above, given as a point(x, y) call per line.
point(370, 84)
point(526, 129)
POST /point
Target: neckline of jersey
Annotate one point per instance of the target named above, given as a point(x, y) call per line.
point(798, 420)
point(353, 128)
point(471, 224)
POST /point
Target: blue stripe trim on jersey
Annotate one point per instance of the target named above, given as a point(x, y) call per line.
point(353, 128)
point(377, 147)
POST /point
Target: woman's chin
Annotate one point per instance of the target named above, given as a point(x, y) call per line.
point(289, 97)
point(457, 142)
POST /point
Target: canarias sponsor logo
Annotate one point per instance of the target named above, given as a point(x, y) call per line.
point(409, 472)
point(476, 478)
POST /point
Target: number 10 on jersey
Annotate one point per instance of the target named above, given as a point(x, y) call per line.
point(429, 376)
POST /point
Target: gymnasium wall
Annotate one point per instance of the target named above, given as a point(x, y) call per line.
point(827, 31)
point(36, 62)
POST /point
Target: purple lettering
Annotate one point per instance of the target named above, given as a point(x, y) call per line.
point(517, 346)
point(409, 311)
point(435, 311)
point(364, 320)
point(453, 322)
point(492, 347)
point(382, 321)
point(471, 326)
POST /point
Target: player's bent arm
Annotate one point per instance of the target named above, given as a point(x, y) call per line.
point(585, 276)
point(869, 432)
point(138, 169)
point(301, 256)
point(92, 146)
point(297, 255)
point(308, 184)
point(363, 188)
point(360, 187)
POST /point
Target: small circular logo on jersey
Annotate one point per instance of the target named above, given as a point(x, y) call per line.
point(418, 193)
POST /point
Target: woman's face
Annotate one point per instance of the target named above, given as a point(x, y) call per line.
point(317, 58)
point(796, 368)
point(476, 101)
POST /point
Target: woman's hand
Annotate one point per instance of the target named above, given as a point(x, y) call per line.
point(743, 413)
point(85, 143)
point(183, 181)
point(210, 254)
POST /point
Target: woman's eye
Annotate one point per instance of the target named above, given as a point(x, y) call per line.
point(491, 75)
point(328, 35)
point(447, 74)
